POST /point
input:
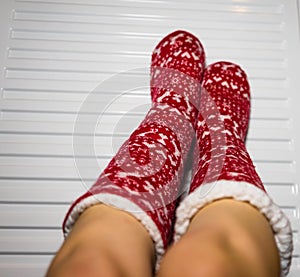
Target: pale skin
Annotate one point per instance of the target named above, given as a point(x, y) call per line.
point(225, 238)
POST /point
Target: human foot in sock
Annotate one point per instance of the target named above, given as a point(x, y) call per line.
point(233, 174)
point(143, 178)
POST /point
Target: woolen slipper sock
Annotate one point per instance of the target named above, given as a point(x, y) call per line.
point(223, 167)
point(144, 176)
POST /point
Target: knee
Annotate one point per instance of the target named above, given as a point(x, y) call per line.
point(190, 267)
point(191, 257)
point(84, 261)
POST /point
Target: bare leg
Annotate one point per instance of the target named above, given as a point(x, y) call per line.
point(105, 242)
point(225, 238)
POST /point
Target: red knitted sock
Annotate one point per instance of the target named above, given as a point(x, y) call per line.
point(224, 168)
point(144, 176)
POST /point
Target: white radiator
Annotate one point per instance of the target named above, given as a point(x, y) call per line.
point(53, 53)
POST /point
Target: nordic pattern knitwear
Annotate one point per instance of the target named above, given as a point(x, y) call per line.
point(221, 129)
point(144, 176)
